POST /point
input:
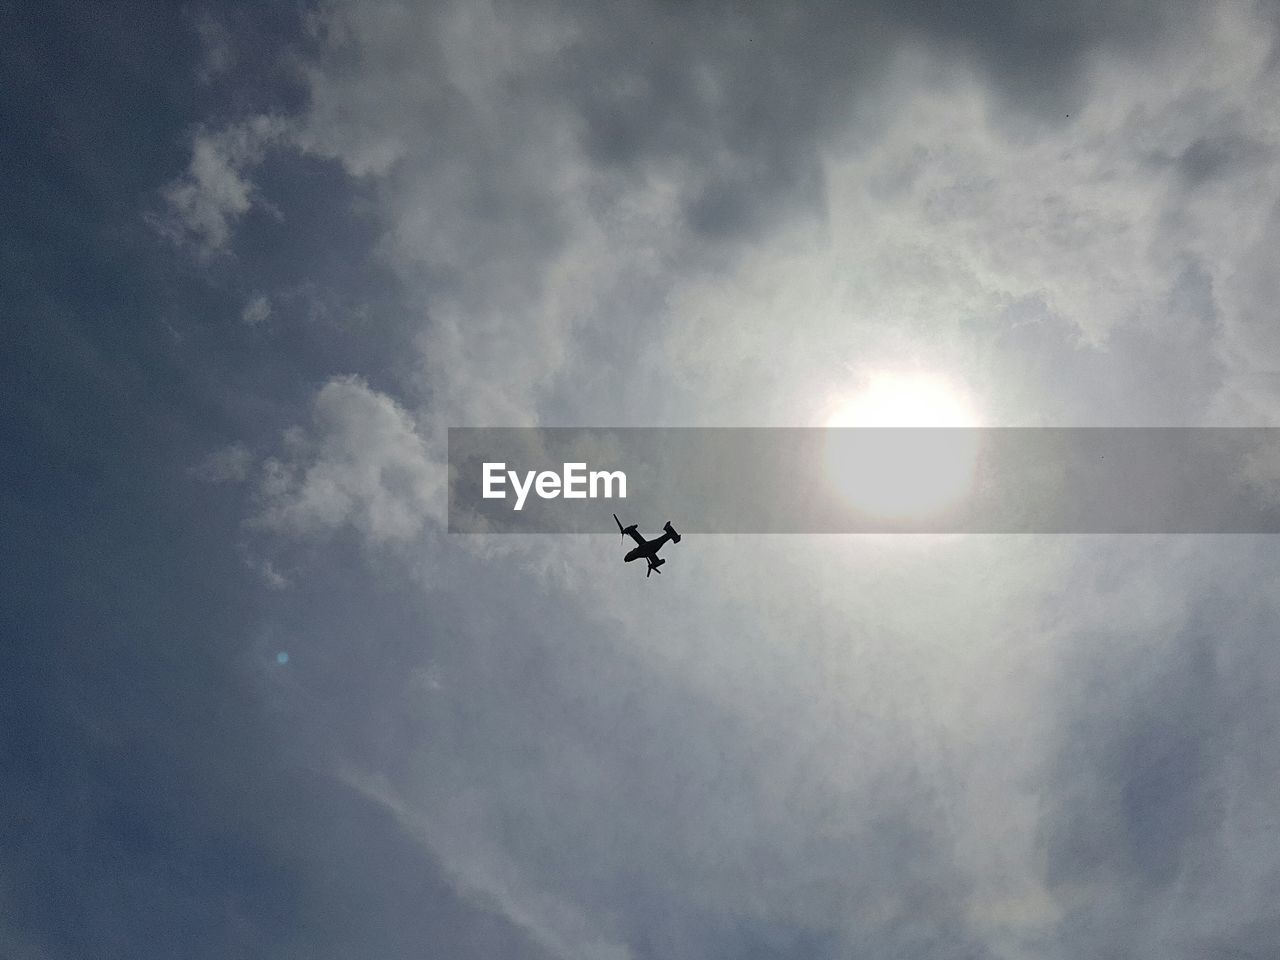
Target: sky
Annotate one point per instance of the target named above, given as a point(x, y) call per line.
point(256, 701)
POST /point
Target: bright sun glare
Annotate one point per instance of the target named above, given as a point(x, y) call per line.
point(902, 473)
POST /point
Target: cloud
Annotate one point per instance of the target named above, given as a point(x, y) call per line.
point(713, 213)
point(556, 925)
point(219, 52)
point(1065, 276)
point(1153, 831)
point(229, 464)
point(256, 311)
point(571, 164)
point(361, 462)
point(203, 205)
point(266, 570)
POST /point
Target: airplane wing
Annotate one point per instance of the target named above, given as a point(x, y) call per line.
point(629, 530)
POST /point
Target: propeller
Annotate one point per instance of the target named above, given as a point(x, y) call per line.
point(620, 530)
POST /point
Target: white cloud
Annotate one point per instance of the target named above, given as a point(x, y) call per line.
point(219, 54)
point(202, 206)
point(266, 570)
point(256, 311)
point(959, 248)
point(360, 462)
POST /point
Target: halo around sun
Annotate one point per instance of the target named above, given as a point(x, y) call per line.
point(897, 471)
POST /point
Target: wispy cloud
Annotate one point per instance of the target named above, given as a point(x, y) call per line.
point(231, 463)
point(202, 206)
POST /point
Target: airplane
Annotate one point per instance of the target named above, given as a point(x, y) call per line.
point(647, 548)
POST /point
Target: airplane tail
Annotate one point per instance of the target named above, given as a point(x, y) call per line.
point(675, 537)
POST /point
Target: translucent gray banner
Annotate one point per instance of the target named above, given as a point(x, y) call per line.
point(887, 480)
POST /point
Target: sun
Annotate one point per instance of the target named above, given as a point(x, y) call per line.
point(900, 471)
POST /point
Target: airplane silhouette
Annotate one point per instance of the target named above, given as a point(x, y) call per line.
point(647, 548)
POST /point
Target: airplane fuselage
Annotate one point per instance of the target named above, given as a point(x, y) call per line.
point(649, 548)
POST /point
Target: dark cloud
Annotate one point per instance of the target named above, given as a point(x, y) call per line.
point(741, 97)
point(1210, 157)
